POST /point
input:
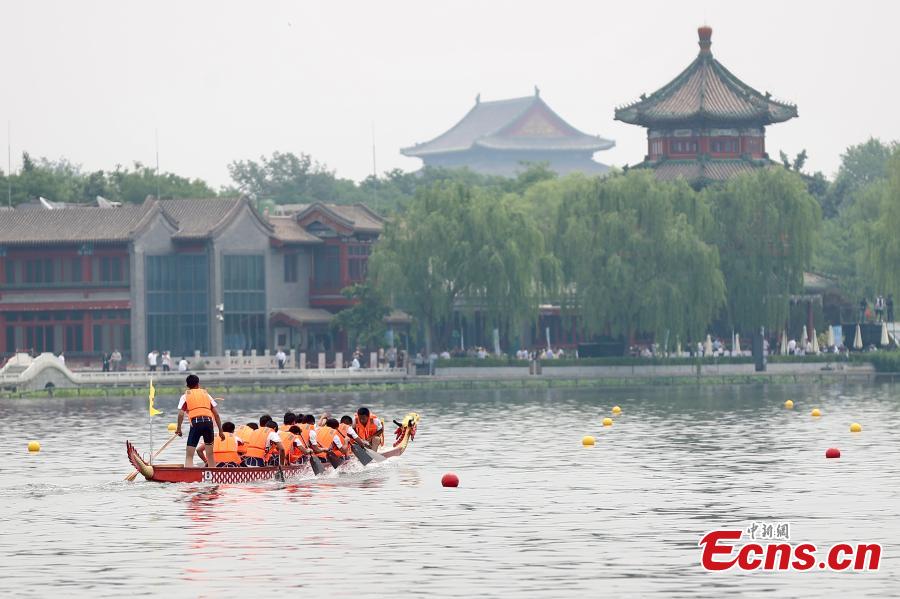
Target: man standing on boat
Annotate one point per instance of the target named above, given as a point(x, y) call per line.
point(201, 411)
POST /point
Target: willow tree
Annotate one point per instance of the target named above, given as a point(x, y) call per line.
point(635, 260)
point(766, 223)
point(422, 258)
point(508, 268)
point(882, 242)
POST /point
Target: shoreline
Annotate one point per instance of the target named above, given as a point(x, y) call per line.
point(644, 376)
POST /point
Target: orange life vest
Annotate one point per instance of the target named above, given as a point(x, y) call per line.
point(256, 444)
point(244, 433)
point(325, 439)
point(304, 434)
point(365, 431)
point(197, 403)
point(287, 439)
point(345, 438)
point(227, 450)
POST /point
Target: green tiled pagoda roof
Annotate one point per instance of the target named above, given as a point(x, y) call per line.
point(706, 91)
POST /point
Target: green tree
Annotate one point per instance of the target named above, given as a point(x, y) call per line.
point(631, 250)
point(421, 260)
point(287, 178)
point(767, 223)
point(861, 165)
point(881, 242)
point(135, 184)
point(364, 320)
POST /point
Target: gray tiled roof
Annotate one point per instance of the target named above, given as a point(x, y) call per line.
point(497, 125)
point(194, 219)
point(287, 230)
point(75, 225)
point(357, 216)
point(708, 170)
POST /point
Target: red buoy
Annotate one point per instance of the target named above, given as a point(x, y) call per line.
point(450, 480)
point(832, 452)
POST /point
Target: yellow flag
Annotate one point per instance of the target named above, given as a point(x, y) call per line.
point(153, 410)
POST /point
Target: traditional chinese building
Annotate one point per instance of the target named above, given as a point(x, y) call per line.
point(503, 136)
point(706, 124)
point(193, 275)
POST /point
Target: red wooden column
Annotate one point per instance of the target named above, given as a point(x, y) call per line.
point(88, 331)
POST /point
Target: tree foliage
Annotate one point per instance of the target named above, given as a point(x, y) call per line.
point(364, 320)
point(880, 232)
point(63, 181)
point(632, 252)
point(766, 226)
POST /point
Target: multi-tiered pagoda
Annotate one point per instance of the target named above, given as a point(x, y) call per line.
point(706, 124)
point(502, 137)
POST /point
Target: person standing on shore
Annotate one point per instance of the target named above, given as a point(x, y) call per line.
point(201, 412)
point(281, 358)
point(115, 360)
point(152, 359)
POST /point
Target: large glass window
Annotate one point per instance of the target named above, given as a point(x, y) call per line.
point(177, 304)
point(327, 267)
point(244, 287)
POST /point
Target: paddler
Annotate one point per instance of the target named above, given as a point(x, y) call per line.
point(226, 452)
point(346, 431)
point(201, 411)
point(244, 433)
point(261, 442)
point(325, 440)
point(369, 428)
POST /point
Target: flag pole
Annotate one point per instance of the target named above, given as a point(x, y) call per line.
point(150, 422)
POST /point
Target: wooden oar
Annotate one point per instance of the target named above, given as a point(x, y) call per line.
point(279, 476)
point(334, 460)
point(360, 453)
point(131, 476)
point(315, 464)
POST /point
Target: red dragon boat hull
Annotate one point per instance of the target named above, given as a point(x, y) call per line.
point(177, 473)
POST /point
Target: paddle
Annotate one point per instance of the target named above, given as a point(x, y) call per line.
point(316, 465)
point(279, 476)
point(334, 460)
point(360, 453)
point(131, 476)
point(374, 455)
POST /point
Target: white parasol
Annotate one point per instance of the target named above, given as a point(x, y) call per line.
point(857, 339)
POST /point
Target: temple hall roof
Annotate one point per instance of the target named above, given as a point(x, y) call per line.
point(516, 124)
point(706, 91)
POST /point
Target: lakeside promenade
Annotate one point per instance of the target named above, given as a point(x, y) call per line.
point(46, 374)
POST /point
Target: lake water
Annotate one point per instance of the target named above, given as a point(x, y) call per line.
point(536, 514)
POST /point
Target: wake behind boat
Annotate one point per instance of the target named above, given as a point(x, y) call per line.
point(177, 473)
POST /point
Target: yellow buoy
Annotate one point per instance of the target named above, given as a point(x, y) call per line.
point(607, 422)
point(816, 413)
point(172, 427)
point(587, 441)
point(616, 410)
point(789, 404)
point(34, 446)
point(855, 428)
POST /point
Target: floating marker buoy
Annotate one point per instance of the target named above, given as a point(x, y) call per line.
point(816, 413)
point(789, 404)
point(172, 427)
point(450, 480)
point(832, 452)
point(34, 446)
point(616, 410)
point(587, 441)
point(607, 422)
point(855, 428)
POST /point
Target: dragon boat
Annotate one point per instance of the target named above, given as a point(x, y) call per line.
point(177, 473)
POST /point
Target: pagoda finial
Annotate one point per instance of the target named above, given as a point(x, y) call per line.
point(478, 98)
point(537, 92)
point(704, 32)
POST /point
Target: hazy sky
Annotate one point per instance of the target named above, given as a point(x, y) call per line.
point(92, 81)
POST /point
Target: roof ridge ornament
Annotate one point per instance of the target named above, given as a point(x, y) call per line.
point(704, 33)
